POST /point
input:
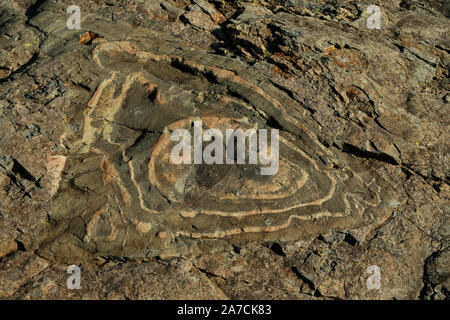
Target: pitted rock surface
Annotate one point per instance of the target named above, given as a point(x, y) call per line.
point(86, 176)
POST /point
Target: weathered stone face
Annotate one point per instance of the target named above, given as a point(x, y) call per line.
point(86, 175)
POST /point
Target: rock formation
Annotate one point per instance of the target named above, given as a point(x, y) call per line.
point(86, 177)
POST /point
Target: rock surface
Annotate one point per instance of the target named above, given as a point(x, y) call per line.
point(86, 117)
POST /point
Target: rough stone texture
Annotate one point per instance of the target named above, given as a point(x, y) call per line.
point(85, 122)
